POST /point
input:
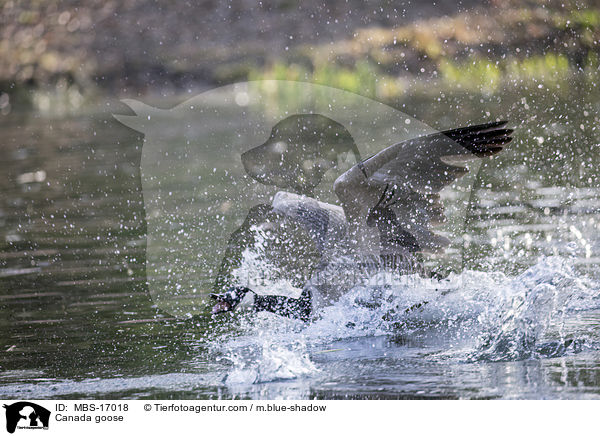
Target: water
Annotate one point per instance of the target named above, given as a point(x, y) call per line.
point(521, 319)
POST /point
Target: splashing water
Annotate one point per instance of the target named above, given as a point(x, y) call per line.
point(274, 362)
point(468, 317)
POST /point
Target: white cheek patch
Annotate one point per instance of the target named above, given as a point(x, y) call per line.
point(248, 301)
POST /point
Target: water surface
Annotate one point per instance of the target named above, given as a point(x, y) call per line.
point(521, 319)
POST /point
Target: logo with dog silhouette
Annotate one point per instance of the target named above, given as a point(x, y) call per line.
point(26, 415)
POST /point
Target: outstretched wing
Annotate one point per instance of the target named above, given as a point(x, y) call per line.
point(396, 191)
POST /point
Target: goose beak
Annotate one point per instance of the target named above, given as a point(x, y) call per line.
point(220, 307)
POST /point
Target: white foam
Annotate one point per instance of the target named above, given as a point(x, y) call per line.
point(485, 315)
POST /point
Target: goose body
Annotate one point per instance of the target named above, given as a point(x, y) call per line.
point(389, 205)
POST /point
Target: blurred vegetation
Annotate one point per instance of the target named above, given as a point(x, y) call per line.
point(59, 54)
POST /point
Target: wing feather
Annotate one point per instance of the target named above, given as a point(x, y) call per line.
point(324, 222)
point(396, 191)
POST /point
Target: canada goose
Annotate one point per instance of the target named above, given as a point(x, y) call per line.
point(389, 202)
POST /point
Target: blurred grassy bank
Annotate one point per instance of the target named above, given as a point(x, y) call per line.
point(58, 55)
